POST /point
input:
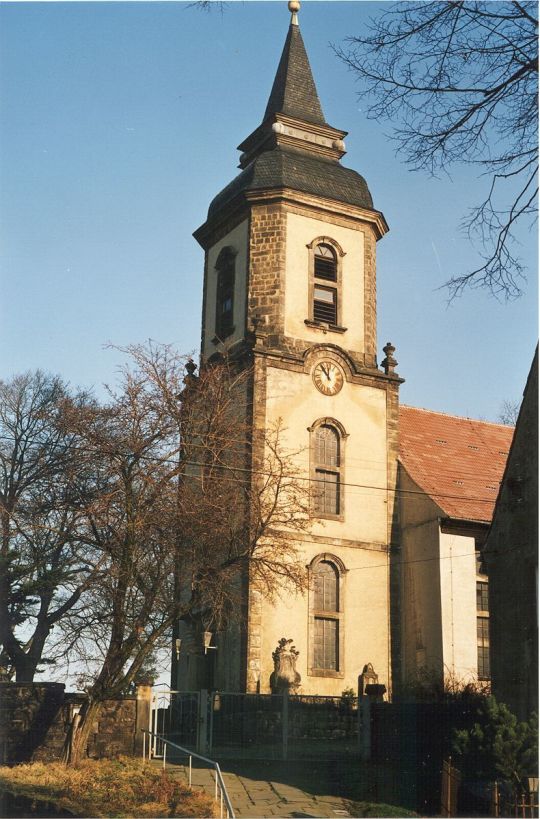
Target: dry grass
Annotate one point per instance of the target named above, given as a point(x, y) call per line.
point(122, 787)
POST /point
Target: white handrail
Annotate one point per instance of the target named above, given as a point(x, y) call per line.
point(219, 777)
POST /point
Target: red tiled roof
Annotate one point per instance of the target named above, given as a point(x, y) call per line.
point(458, 461)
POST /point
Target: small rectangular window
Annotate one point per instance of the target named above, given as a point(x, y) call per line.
point(325, 655)
point(482, 597)
point(484, 670)
point(325, 305)
point(482, 629)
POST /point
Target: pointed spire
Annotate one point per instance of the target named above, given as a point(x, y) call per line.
point(294, 92)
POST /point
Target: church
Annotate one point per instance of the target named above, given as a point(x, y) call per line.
point(393, 566)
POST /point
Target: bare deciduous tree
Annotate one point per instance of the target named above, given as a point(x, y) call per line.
point(43, 567)
point(459, 81)
point(178, 514)
point(208, 5)
point(509, 412)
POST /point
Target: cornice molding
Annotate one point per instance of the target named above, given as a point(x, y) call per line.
point(238, 209)
point(287, 195)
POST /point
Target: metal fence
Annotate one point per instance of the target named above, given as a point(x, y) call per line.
point(246, 725)
point(264, 726)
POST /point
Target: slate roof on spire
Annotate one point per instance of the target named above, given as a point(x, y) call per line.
point(293, 92)
point(294, 148)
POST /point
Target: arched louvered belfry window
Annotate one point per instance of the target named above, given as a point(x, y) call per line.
point(325, 292)
point(225, 266)
point(326, 470)
point(325, 261)
point(326, 616)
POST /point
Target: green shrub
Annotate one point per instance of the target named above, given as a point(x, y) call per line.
point(496, 746)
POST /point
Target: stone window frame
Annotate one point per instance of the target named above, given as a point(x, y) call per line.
point(337, 285)
point(226, 257)
point(340, 469)
point(338, 616)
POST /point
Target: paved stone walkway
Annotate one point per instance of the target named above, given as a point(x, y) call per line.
point(255, 798)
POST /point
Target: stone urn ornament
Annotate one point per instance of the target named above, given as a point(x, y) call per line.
point(285, 677)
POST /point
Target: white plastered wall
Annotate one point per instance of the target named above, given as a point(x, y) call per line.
point(358, 541)
point(422, 649)
point(458, 603)
point(438, 602)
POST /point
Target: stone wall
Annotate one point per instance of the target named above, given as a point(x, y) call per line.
point(35, 719)
point(28, 712)
point(114, 731)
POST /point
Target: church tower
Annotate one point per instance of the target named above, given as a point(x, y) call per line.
point(290, 285)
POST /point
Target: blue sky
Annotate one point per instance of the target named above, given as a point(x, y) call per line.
point(119, 123)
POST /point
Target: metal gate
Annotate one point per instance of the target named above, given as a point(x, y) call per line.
point(185, 724)
point(160, 718)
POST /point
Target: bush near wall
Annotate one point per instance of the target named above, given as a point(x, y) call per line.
point(484, 740)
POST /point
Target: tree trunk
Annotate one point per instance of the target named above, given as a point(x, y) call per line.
point(82, 729)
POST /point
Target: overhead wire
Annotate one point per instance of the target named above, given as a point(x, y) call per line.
point(470, 555)
point(291, 476)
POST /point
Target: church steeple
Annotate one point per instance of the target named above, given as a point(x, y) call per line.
point(290, 298)
point(293, 116)
point(294, 92)
point(293, 148)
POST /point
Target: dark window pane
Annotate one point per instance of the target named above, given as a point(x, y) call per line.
point(482, 630)
point(325, 305)
point(325, 649)
point(482, 597)
point(225, 298)
point(325, 269)
point(325, 587)
point(326, 446)
point(326, 492)
point(484, 671)
point(482, 639)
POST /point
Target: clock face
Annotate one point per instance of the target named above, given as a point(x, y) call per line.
point(327, 377)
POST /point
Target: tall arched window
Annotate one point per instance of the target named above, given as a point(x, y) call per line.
point(326, 617)
point(225, 266)
point(327, 466)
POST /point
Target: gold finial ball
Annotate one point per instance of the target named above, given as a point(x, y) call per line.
point(294, 6)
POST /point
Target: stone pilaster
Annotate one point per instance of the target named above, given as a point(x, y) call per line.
point(370, 299)
point(394, 556)
point(254, 598)
point(266, 291)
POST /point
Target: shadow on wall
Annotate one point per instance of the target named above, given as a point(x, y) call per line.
point(28, 711)
point(35, 719)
